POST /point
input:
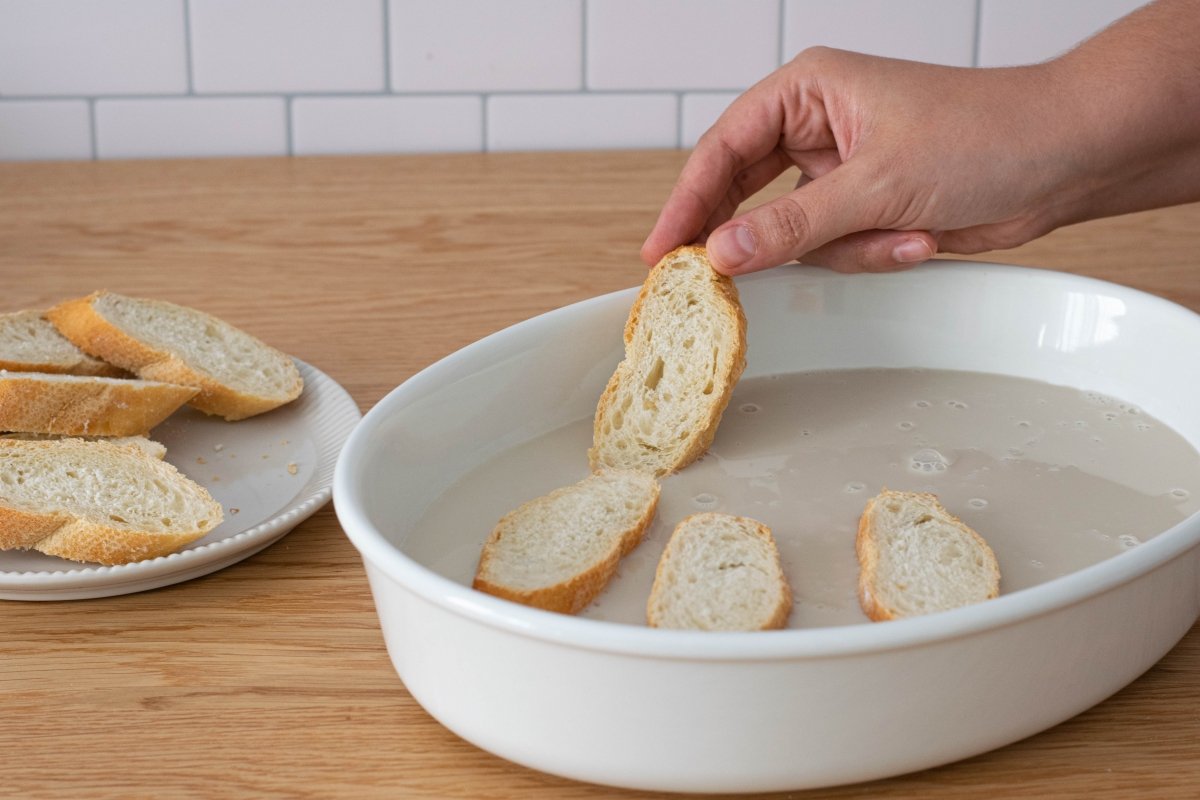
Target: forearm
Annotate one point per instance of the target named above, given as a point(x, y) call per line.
point(1131, 113)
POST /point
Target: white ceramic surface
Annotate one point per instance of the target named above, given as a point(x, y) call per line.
point(736, 712)
point(246, 465)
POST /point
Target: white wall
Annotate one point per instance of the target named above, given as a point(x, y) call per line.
point(83, 79)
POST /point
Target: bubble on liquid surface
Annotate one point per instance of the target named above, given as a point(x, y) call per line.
point(1129, 540)
point(1180, 494)
point(705, 500)
point(956, 404)
point(922, 404)
point(977, 502)
point(905, 425)
point(928, 460)
point(1037, 564)
point(853, 487)
point(1024, 423)
point(750, 408)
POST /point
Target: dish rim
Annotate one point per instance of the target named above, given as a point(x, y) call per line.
point(825, 642)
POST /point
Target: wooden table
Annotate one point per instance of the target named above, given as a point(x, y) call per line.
point(269, 678)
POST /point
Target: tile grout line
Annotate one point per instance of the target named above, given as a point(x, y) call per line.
point(782, 34)
point(483, 122)
point(387, 46)
point(187, 46)
point(583, 48)
point(287, 125)
point(93, 136)
point(666, 92)
point(679, 120)
point(978, 33)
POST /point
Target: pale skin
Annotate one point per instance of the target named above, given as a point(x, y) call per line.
point(900, 160)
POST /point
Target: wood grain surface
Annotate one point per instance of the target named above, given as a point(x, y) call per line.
point(269, 678)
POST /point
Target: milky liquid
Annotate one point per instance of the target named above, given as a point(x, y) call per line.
point(1055, 479)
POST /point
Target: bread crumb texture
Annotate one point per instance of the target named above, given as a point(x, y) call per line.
point(685, 344)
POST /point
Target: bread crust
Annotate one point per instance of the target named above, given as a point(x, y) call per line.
point(574, 594)
point(80, 406)
point(89, 330)
point(730, 307)
point(20, 530)
point(82, 540)
point(866, 548)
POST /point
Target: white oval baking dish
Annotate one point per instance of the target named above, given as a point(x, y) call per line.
point(733, 712)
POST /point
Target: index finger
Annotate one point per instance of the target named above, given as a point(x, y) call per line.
point(749, 131)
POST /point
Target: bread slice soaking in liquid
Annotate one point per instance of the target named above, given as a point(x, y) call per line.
point(720, 573)
point(559, 551)
point(915, 557)
point(685, 347)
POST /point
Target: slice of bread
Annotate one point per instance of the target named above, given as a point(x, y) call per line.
point(29, 343)
point(32, 402)
point(685, 348)
point(148, 446)
point(97, 501)
point(559, 551)
point(238, 376)
point(720, 573)
point(915, 557)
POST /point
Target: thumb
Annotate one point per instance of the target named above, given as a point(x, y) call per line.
point(786, 228)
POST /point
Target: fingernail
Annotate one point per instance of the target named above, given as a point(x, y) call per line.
point(733, 246)
point(912, 251)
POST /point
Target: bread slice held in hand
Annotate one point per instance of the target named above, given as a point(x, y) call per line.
point(559, 551)
point(97, 501)
point(29, 343)
point(685, 348)
point(237, 375)
point(720, 573)
point(915, 557)
point(34, 402)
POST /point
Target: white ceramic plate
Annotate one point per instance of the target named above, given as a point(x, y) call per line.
point(691, 711)
point(268, 472)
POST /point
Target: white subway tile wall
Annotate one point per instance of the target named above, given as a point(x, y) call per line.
point(680, 44)
point(84, 79)
point(1024, 31)
point(286, 46)
point(581, 121)
point(333, 125)
point(180, 127)
point(486, 46)
point(939, 31)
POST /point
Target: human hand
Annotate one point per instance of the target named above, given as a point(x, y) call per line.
point(898, 159)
